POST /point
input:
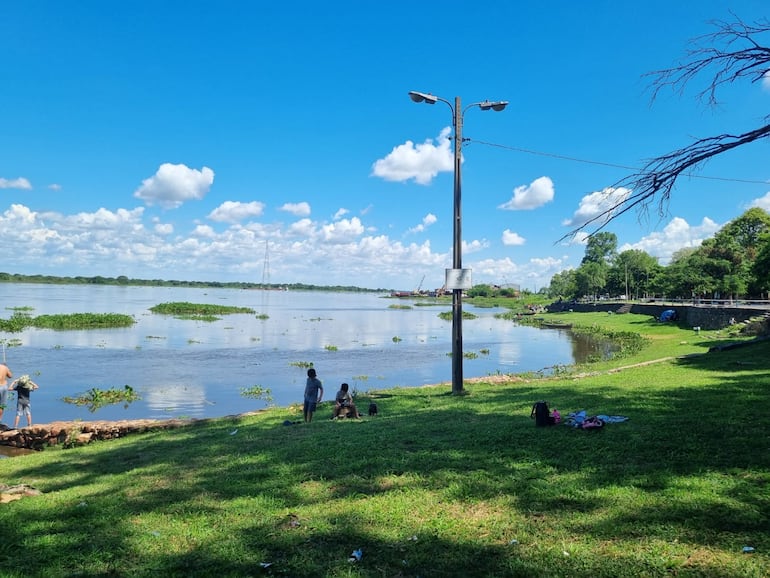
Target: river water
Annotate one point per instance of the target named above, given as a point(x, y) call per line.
point(196, 369)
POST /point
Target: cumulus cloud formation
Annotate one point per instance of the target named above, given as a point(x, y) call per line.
point(474, 246)
point(172, 185)
point(343, 230)
point(163, 228)
point(762, 202)
point(593, 205)
point(676, 235)
point(421, 162)
point(297, 209)
point(427, 221)
point(235, 211)
point(512, 239)
point(528, 197)
point(20, 183)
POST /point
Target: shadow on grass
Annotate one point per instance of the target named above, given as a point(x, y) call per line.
point(437, 453)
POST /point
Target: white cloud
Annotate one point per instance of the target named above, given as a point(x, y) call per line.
point(163, 228)
point(512, 239)
point(235, 211)
point(474, 246)
point(20, 183)
point(55, 187)
point(676, 235)
point(766, 80)
point(421, 162)
point(527, 197)
point(427, 221)
point(340, 213)
point(593, 205)
point(204, 231)
point(762, 202)
point(302, 228)
point(343, 230)
point(297, 209)
point(172, 185)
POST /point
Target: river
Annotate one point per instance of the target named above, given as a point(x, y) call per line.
point(196, 369)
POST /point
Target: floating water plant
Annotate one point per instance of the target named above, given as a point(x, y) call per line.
point(186, 308)
point(95, 398)
point(257, 392)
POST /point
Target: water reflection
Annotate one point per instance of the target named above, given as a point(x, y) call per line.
point(197, 369)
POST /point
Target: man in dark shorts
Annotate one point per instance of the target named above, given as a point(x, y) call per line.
point(23, 386)
point(314, 392)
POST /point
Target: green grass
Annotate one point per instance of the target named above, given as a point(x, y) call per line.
point(436, 485)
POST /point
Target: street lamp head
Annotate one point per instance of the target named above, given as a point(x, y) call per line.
point(422, 97)
point(497, 105)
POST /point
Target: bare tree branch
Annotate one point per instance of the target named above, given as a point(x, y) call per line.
point(730, 54)
point(732, 50)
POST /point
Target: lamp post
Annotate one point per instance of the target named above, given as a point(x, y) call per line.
point(457, 279)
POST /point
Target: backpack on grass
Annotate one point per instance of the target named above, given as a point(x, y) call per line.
point(541, 414)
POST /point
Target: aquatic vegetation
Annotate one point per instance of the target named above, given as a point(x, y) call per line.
point(95, 398)
point(397, 306)
point(257, 392)
point(185, 308)
point(331, 347)
point(262, 316)
point(396, 339)
point(69, 321)
point(207, 318)
point(447, 315)
point(303, 364)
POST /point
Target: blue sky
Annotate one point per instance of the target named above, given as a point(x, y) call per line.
point(178, 140)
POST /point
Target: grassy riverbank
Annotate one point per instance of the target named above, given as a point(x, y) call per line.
point(436, 485)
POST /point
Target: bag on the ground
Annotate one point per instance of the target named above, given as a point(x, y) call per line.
point(541, 414)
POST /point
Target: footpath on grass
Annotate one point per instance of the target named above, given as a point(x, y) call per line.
point(75, 433)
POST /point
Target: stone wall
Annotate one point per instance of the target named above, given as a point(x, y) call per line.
point(71, 434)
point(703, 316)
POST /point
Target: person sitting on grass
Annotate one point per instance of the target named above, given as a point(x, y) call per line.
point(23, 387)
point(343, 403)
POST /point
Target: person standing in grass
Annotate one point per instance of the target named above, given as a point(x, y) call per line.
point(5, 374)
point(23, 386)
point(314, 392)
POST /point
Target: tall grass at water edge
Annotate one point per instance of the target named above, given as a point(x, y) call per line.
point(435, 485)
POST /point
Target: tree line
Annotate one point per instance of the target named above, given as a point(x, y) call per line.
point(126, 281)
point(733, 264)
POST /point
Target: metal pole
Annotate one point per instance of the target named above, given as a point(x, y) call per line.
point(457, 261)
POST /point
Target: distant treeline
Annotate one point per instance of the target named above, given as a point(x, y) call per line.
point(122, 280)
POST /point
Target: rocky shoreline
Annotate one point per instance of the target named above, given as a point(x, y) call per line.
point(75, 433)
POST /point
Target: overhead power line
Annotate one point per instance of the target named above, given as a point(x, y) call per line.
point(612, 165)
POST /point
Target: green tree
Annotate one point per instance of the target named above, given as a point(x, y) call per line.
point(630, 273)
point(761, 265)
point(564, 285)
point(601, 248)
point(591, 278)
